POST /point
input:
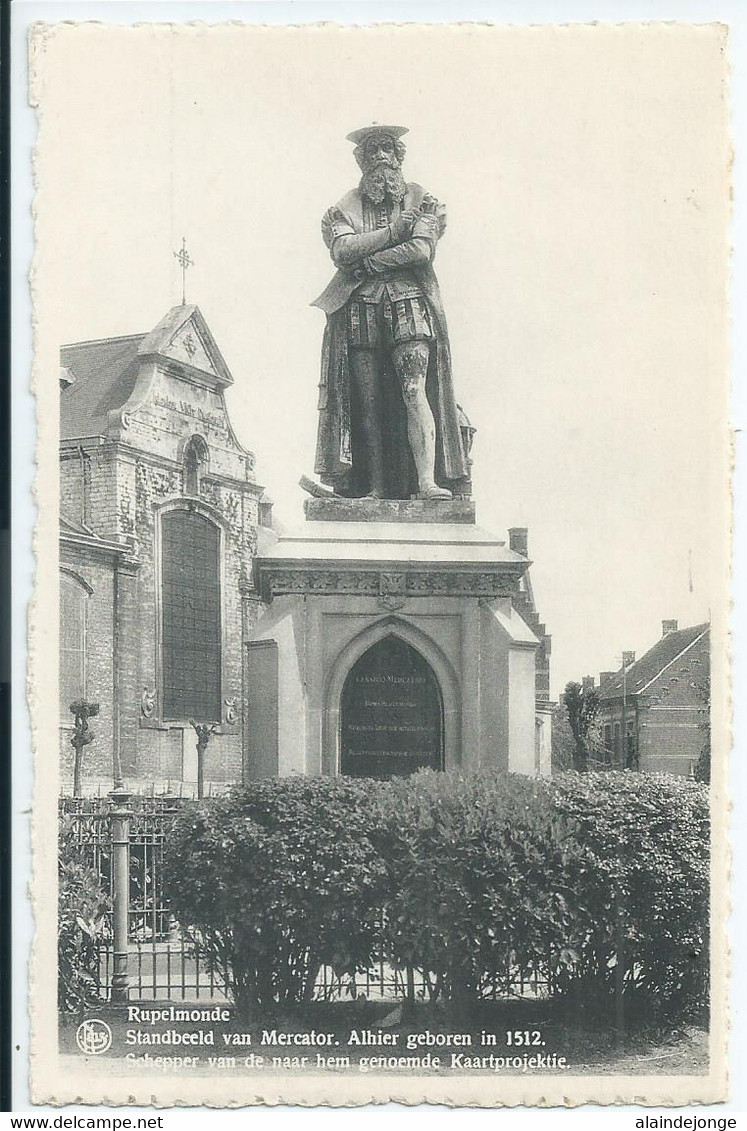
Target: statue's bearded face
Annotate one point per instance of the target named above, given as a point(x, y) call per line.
point(380, 158)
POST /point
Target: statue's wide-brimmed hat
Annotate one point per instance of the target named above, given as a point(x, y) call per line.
point(359, 136)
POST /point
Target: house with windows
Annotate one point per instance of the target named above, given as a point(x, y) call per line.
point(654, 710)
point(159, 515)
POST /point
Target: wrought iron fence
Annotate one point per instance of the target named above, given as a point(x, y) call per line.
point(165, 964)
point(162, 962)
point(384, 982)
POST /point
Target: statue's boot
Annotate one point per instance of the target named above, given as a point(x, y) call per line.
point(435, 492)
point(375, 469)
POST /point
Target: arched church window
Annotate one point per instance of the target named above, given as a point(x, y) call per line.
point(72, 682)
point(190, 617)
point(195, 463)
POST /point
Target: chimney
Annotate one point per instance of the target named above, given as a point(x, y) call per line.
point(668, 626)
point(587, 683)
point(518, 540)
point(628, 658)
point(604, 676)
point(265, 511)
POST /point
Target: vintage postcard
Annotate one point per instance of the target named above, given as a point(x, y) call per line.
point(379, 648)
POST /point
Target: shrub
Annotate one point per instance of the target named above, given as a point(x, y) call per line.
point(595, 883)
point(276, 880)
point(702, 769)
point(82, 925)
point(642, 905)
point(480, 879)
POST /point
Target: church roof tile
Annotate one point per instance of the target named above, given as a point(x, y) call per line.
point(105, 372)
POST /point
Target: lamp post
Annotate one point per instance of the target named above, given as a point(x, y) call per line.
point(82, 735)
point(120, 825)
point(204, 732)
point(628, 659)
point(120, 816)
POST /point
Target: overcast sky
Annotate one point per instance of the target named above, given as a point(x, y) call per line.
point(583, 269)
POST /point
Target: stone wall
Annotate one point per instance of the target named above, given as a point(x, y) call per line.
point(98, 577)
point(669, 741)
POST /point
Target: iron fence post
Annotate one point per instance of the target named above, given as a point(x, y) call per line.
point(120, 829)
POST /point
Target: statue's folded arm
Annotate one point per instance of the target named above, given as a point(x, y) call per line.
point(347, 250)
point(418, 250)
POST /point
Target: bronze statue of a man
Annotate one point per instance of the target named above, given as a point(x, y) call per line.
point(388, 421)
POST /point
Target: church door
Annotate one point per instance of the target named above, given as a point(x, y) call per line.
point(391, 717)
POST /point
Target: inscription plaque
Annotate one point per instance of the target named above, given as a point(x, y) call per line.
point(391, 714)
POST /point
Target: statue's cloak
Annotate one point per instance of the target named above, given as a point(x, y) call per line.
point(339, 430)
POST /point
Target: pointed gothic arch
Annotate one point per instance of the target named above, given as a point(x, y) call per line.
point(429, 652)
point(391, 713)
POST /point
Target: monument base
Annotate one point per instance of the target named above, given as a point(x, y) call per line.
point(389, 645)
point(338, 509)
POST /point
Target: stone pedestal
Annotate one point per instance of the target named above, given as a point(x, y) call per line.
point(411, 599)
point(389, 510)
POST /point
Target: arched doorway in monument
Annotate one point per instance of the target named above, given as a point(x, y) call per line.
point(391, 713)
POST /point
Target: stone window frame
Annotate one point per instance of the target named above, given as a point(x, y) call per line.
point(213, 515)
point(72, 578)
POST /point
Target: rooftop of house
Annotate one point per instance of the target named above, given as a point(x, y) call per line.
point(664, 652)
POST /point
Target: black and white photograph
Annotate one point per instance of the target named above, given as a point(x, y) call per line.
point(380, 639)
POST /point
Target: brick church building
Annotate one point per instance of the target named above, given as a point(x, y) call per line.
point(159, 514)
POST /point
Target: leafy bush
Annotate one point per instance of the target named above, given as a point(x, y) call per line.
point(480, 879)
point(642, 902)
point(276, 880)
point(702, 770)
point(82, 925)
point(597, 884)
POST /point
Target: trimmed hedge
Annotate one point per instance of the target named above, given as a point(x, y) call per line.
point(645, 890)
point(277, 880)
point(481, 878)
point(595, 883)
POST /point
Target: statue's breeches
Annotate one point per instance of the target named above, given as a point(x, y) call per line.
point(381, 328)
point(386, 324)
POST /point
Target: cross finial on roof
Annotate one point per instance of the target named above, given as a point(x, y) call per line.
point(185, 260)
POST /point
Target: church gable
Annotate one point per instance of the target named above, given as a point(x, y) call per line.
point(187, 346)
point(105, 383)
point(170, 407)
point(155, 392)
point(183, 337)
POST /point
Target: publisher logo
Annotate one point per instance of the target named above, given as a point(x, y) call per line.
point(93, 1037)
